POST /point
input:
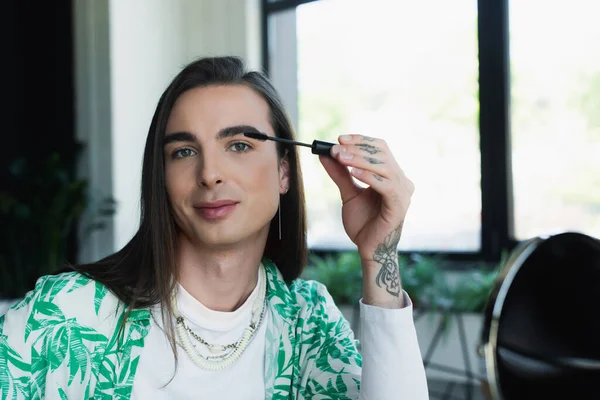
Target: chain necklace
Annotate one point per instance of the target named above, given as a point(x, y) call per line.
point(213, 348)
point(216, 363)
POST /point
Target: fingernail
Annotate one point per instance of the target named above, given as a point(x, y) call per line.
point(347, 156)
point(357, 171)
point(345, 138)
point(337, 149)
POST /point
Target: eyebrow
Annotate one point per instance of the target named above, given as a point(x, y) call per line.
point(222, 134)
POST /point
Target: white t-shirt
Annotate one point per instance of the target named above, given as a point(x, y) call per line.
point(385, 375)
point(244, 379)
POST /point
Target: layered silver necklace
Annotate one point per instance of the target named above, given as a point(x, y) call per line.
point(224, 355)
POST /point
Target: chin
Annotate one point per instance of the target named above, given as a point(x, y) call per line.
point(215, 242)
point(219, 239)
point(231, 238)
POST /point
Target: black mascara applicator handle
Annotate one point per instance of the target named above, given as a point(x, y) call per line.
point(321, 148)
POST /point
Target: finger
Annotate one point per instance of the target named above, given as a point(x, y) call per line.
point(341, 177)
point(351, 157)
point(374, 156)
point(366, 144)
point(395, 197)
point(377, 182)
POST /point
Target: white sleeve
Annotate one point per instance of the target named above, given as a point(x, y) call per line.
point(392, 363)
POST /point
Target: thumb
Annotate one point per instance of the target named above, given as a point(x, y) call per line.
point(341, 177)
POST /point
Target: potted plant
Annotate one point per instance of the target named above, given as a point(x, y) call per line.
point(424, 281)
point(449, 308)
point(39, 213)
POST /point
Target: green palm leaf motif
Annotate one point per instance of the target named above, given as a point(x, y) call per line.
point(284, 309)
point(43, 315)
point(117, 369)
point(329, 392)
point(99, 295)
point(14, 388)
point(39, 367)
point(280, 363)
point(284, 361)
point(80, 354)
point(62, 394)
point(271, 338)
point(314, 388)
point(58, 343)
point(11, 386)
point(326, 353)
point(343, 351)
point(80, 281)
point(340, 386)
point(8, 355)
point(136, 332)
point(56, 286)
point(122, 392)
point(63, 337)
point(52, 285)
point(96, 361)
point(109, 363)
point(129, 368)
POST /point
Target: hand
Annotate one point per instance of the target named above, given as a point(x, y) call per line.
point(373, 216)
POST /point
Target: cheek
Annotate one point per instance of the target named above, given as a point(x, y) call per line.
point(265, 178)
point(177, 184)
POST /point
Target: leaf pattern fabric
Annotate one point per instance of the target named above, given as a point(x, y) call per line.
point(62, 340)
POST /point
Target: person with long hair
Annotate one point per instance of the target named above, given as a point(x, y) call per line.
point(206, 300)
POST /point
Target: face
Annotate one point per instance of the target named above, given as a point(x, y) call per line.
point(223, 187)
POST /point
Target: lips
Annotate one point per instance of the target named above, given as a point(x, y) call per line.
point(216, 209)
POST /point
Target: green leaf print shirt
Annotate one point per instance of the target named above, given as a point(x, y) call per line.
point(62, 342)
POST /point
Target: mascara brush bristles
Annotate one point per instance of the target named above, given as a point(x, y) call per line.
point(263, 137)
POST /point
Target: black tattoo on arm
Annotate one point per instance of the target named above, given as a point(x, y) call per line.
point(380, 179)
point(372, 160)
point(368, 148)
point(368, 139)
point(386, 254)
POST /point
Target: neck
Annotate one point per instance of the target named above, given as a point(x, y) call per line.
point(222, 280)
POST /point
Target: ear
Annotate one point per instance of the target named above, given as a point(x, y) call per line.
point(284, 175)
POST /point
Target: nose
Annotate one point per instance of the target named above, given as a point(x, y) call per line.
point(209, 171)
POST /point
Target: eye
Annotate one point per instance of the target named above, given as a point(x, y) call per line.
point(239, 147)
point(183, 153)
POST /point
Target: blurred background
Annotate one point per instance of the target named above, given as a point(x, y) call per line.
point(492, 108)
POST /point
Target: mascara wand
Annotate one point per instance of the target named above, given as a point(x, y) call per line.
point(317, 146)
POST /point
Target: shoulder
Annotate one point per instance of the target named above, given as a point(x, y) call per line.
point(73, 290)
point(67, 296)
point(66, 284)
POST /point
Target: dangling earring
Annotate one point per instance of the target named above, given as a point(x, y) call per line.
point(279, 214)
point(279, 211)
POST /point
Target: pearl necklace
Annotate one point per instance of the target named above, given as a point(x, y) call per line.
point(258, 311)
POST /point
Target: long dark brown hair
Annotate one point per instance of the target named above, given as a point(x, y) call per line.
point(141, 273)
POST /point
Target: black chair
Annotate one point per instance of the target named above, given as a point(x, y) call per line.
point(541, 333)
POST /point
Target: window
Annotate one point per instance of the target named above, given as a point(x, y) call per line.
point(397, 71)
point(492, 110)
point(555, 62)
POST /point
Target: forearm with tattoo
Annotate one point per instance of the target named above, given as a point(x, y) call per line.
point(386, 255)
